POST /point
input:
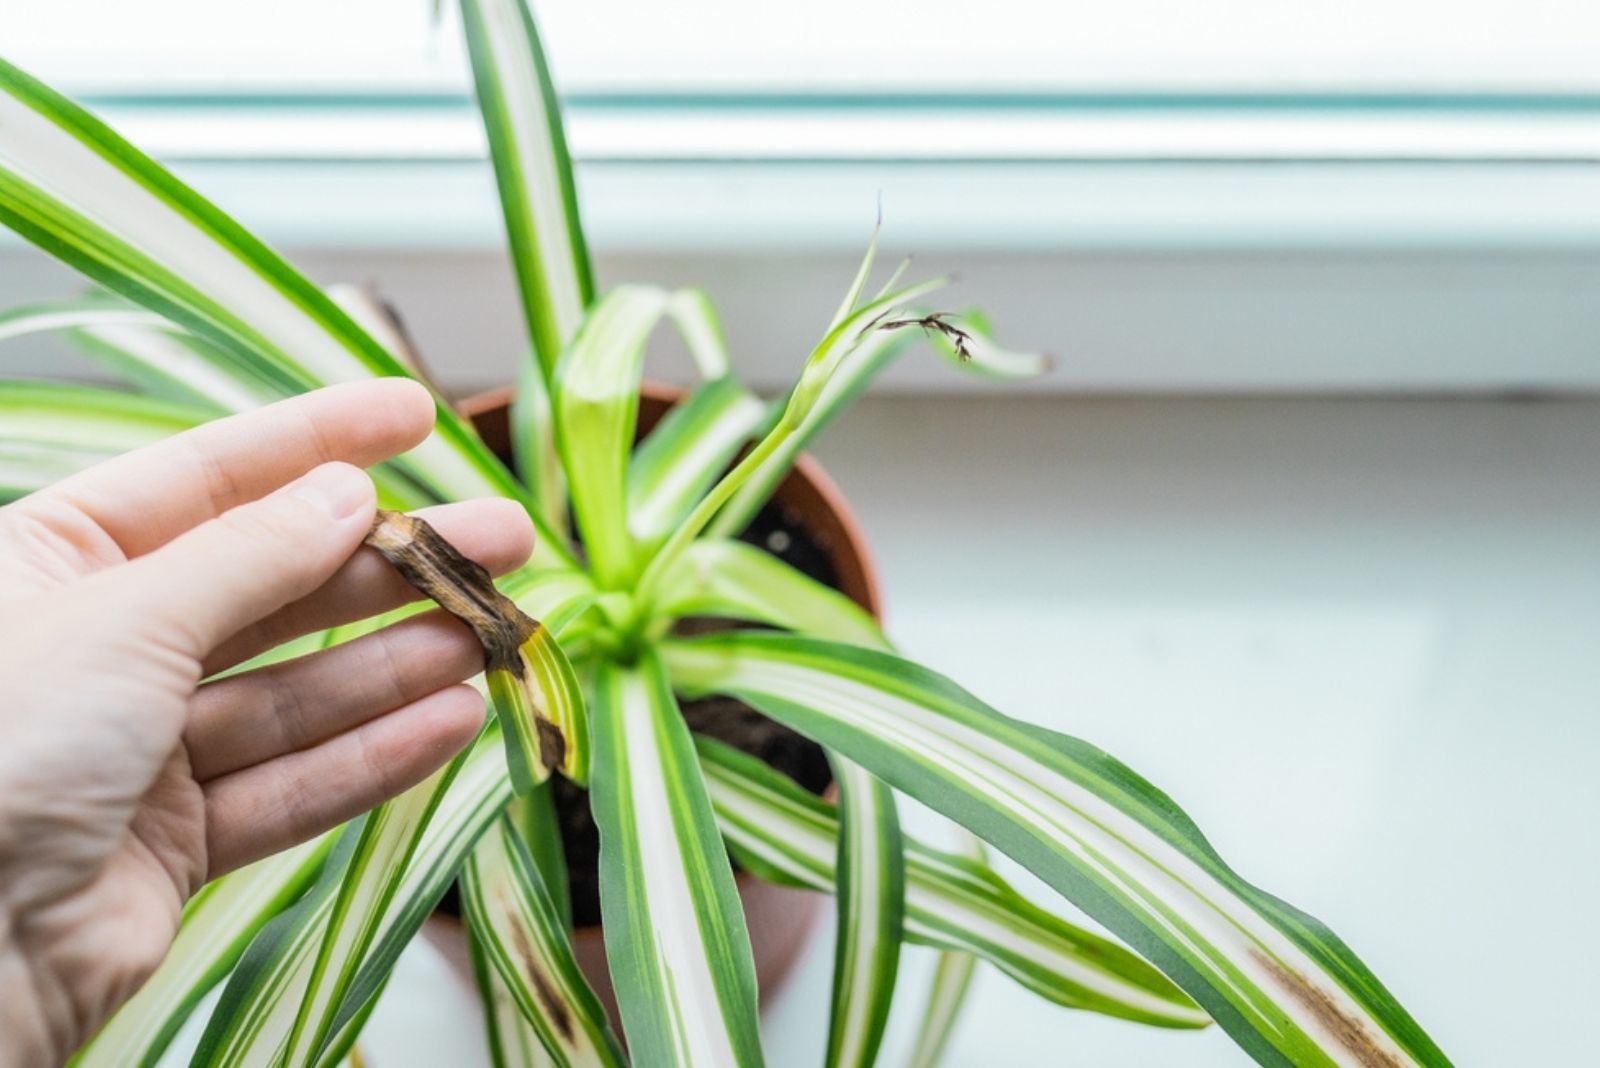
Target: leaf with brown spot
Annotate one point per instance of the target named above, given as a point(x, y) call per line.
point(523, 941)
point(532, 687)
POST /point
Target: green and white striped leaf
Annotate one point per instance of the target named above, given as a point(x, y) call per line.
point(952, 978)
point(698, 324)
point(1281, 984)
point(787, 835)
point(388, 840)
point(596, 401)
point(872, 356)
point(511, 1039)
point(539, 826)
point(534, 449)
point(533, 170)
point(875, 352)
point(264, 998)
point(262, 993)
point(541, 709)
point(71, 185)
point(675, 933)
point(49, 430)
point(834, 349)
point(872, 898)
point(218, 923)
point(51, 316)
point(736, 580)
point(383, 904)
point(685, 454)
point(170, 362)
point(368, 310)
point(518, 928)
point(92, 418)
point(947, 991)
point(858, 284)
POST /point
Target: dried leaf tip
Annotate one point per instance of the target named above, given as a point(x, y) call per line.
point(460, 586)
point(938, 322)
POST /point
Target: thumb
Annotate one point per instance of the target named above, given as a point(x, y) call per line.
point(219, 577)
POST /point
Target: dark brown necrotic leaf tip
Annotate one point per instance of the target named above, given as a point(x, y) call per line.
point(460, 586)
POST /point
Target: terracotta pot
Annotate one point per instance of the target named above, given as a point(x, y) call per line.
point(780, 919)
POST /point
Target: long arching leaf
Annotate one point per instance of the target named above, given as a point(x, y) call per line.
point(871, 910)
point(787, 835)
point(538, 196)
point(733, 580)
point(72, 186)
point(675, 933)
point(511, 1039)
point(947, 991)
point(596, 399)
point(685, 454)
point(521, 934)
point(1281, 984)
point(218, 923)
point(264, 998)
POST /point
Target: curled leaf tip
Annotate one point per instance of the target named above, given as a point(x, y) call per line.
point(938, 322)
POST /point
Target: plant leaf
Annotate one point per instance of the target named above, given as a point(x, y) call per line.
point(218, 923)
point(534, 690)
point(511, 1039)
point(874, 354)
point(734, 580)
point(539, 826)
point(259, 1001)
point(835, 349)
point(533, 170)
point(947, 991)
point(979, 353)
point(675, 933)
point(48, 316)
point(51, 430)
point(479, 792)
point(171, 362)
point(1282, 985)
point(522, 935)
point(388, 839)
point(872, 898)
point(858, 284)
point(952, 978)
point(785, 834)
point(696, 319)
point(382, 910)
point(596, 400)
point(685, 454)
point(72, 186)
point(534, 448)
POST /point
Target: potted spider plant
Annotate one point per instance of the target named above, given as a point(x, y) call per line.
point(639, 545)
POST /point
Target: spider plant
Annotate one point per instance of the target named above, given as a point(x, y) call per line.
point(205, 319)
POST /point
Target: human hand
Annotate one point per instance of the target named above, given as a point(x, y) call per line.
point(126, 782)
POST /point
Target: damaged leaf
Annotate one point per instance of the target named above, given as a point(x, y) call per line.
point(531, 685)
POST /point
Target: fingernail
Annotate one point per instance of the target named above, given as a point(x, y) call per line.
point(338, 489)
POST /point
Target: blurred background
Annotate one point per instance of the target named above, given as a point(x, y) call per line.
point(1305, 525)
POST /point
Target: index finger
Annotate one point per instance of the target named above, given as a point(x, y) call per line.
point(145, 498)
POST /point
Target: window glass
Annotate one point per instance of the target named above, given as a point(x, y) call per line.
point(913, 46)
